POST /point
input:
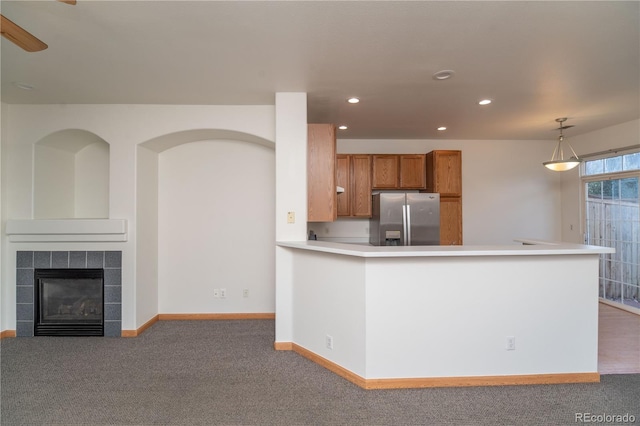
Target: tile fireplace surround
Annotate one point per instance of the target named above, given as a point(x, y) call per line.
point(28, 261)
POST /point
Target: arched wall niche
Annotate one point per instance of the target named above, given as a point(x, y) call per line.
point(197, 229)
point(164, 142)
point(71, 176)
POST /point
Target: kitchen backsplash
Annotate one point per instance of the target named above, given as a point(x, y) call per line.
point(341, 230)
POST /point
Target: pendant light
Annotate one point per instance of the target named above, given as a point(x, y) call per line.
point(557, 162)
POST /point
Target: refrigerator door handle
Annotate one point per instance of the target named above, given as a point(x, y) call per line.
point(404, 223)
point(408, 225)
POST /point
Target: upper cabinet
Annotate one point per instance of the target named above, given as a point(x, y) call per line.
point(353, 173)
point(444, 172)
point(438, 171)
point(321, 173)
point(412, 171)
point(343, 177)
point(385, 171)
point(391, 171)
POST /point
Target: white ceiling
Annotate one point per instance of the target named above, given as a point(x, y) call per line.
point(538, 60)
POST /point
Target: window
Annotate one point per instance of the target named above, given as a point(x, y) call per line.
point(627, 162)
point(612, 214)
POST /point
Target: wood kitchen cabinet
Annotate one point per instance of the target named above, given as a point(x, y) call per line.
point(343, 177)
point(412, 172)
point(353, 173)
point(450, 221)
point(405, 171)
point(444, 172)
point(321, 173)
point(385, 171)
point(444, 176)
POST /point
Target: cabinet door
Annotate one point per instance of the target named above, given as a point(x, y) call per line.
point(450, 221)
point(361, 185)
point(321, 173)
point(447, 172)
point(412, 172)
point(343, 179)
point(385, 171)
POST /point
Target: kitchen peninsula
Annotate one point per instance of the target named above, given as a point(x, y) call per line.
point(427, 316)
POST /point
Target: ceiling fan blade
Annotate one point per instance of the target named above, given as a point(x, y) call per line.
point(20, 36)
point(71, 2)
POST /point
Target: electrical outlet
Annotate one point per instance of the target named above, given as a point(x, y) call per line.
point(511, 343)
point(245, 292)
point(223, 293)
point(291, 217)
point(329, 342)
point(216, 293)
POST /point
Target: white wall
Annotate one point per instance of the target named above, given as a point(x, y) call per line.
point(216, 224)
point(3, 293)
point(54, 180)
point(455, 320)
point(448, 316)
point(91, 189)
point(147, 243)
point(70, 184)
point(329, 299)
point(291, 196)
point(123, 127)
point(71, 176)
point(507, 193)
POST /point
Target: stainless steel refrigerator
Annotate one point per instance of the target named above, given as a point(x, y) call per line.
point(405, 219)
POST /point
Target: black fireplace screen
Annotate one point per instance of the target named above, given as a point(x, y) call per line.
point(69, 302)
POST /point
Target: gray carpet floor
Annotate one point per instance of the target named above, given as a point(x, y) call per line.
point(227, 373)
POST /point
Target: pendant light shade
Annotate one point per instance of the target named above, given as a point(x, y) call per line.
point(558, 163)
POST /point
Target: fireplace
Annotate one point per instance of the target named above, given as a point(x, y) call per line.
point(28, 308)
point(69, 302)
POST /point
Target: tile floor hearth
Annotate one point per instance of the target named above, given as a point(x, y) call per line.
point(28, 261)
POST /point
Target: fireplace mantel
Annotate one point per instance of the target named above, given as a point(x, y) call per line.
point(67, 230)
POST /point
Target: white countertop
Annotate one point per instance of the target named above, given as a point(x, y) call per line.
point(531, 247)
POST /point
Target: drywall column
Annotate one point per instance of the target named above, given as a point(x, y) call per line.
point(291, 196)
point(146, 273)
point(3, 251)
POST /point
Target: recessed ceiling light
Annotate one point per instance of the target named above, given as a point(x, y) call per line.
point(443, 75)
point(485, 102)
point(23, 86)
point(353, 100)
point(441, 128)
point(342, 127)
